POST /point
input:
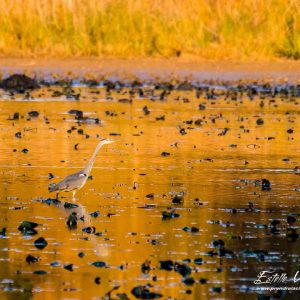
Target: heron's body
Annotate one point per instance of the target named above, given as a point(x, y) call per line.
point(76, 181)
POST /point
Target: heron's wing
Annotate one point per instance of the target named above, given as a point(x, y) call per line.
point(72, 182)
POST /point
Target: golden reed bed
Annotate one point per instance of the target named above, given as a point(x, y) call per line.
point(214, 29)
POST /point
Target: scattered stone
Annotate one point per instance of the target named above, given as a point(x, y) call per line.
point(265, 185)
point(143, 292)
point(70, 205)
point(188, 281)
point(28, 228)
point(166, 215)
point(145, 267)
point(72, 220)
point(183, 269)
point(198, 261)
point(146, 110)
point(97, 280)
point(190, 229)
point(167, 265)
point(89, 229)
point(19, 83)
point(178, 198)
point(3, 232)
point(69, 267)
point(95, 214)
point(33, 114)
point(40, 272)
point(99, 264)
point(31, 259)
point(18, 134)
point(165, 153)
point(40, 243)
point(259, 121)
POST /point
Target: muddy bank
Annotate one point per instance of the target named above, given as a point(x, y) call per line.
point(143, 69)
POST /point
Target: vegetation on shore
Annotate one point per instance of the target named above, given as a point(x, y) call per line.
point(237, 29)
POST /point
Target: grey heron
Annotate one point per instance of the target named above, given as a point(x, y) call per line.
point(76, 181)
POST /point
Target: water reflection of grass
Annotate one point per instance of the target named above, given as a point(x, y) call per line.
point(211, 29)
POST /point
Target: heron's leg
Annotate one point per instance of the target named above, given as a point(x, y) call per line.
point(56, 196)
point(73, 198)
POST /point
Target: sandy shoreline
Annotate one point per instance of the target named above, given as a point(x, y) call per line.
point(155, 67)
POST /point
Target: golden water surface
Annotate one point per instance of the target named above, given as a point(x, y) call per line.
point(218, 170)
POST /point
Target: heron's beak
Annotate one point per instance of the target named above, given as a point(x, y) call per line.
point(52, 187)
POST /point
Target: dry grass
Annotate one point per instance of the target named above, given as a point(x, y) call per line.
point(215, 29)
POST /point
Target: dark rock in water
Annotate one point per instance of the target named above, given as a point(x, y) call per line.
point(97, 280)
point(75, 112)
point(40, 243)
point(55, 264)
point(146, 110)
point(33, 114)
point(3, 232)
point(224, 131)
point(166, 215)
point(31, 259)
point(95, 214)
point(216, 289)
point(185, 86)
point(99, 264)
point(167, 265)
point(25, 150)
point(178, 199)
point(72, 220)
point(143, 292)
point(16, 116)
point(18, 134)
point(19, 83)
point(218, 243)
point(291, 234)
point(70, 205)
point(145, 267)
point(27, 226)
point(198, 261)
point(259, 121)
point(81, 254)
point(188, 281)
point(182, 131)
point(69, 267)
point(164, 153)
point(50, 201)
point(265, 185)
point(274, 223)
point(202, 107)
point(40, 272)
point(190, 229)
point(89, 229)
point(291, 219)
point(183, 269)
point(203, 281)
point(150, 196)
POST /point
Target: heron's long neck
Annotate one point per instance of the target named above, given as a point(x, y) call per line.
point(89, 166)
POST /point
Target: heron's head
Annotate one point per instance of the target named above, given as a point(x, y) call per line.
point(107, 141)
point(52, 187)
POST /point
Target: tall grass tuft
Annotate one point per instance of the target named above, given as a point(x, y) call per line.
point(214, 29)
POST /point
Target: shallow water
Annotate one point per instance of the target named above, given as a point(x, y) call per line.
point(214, 168)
